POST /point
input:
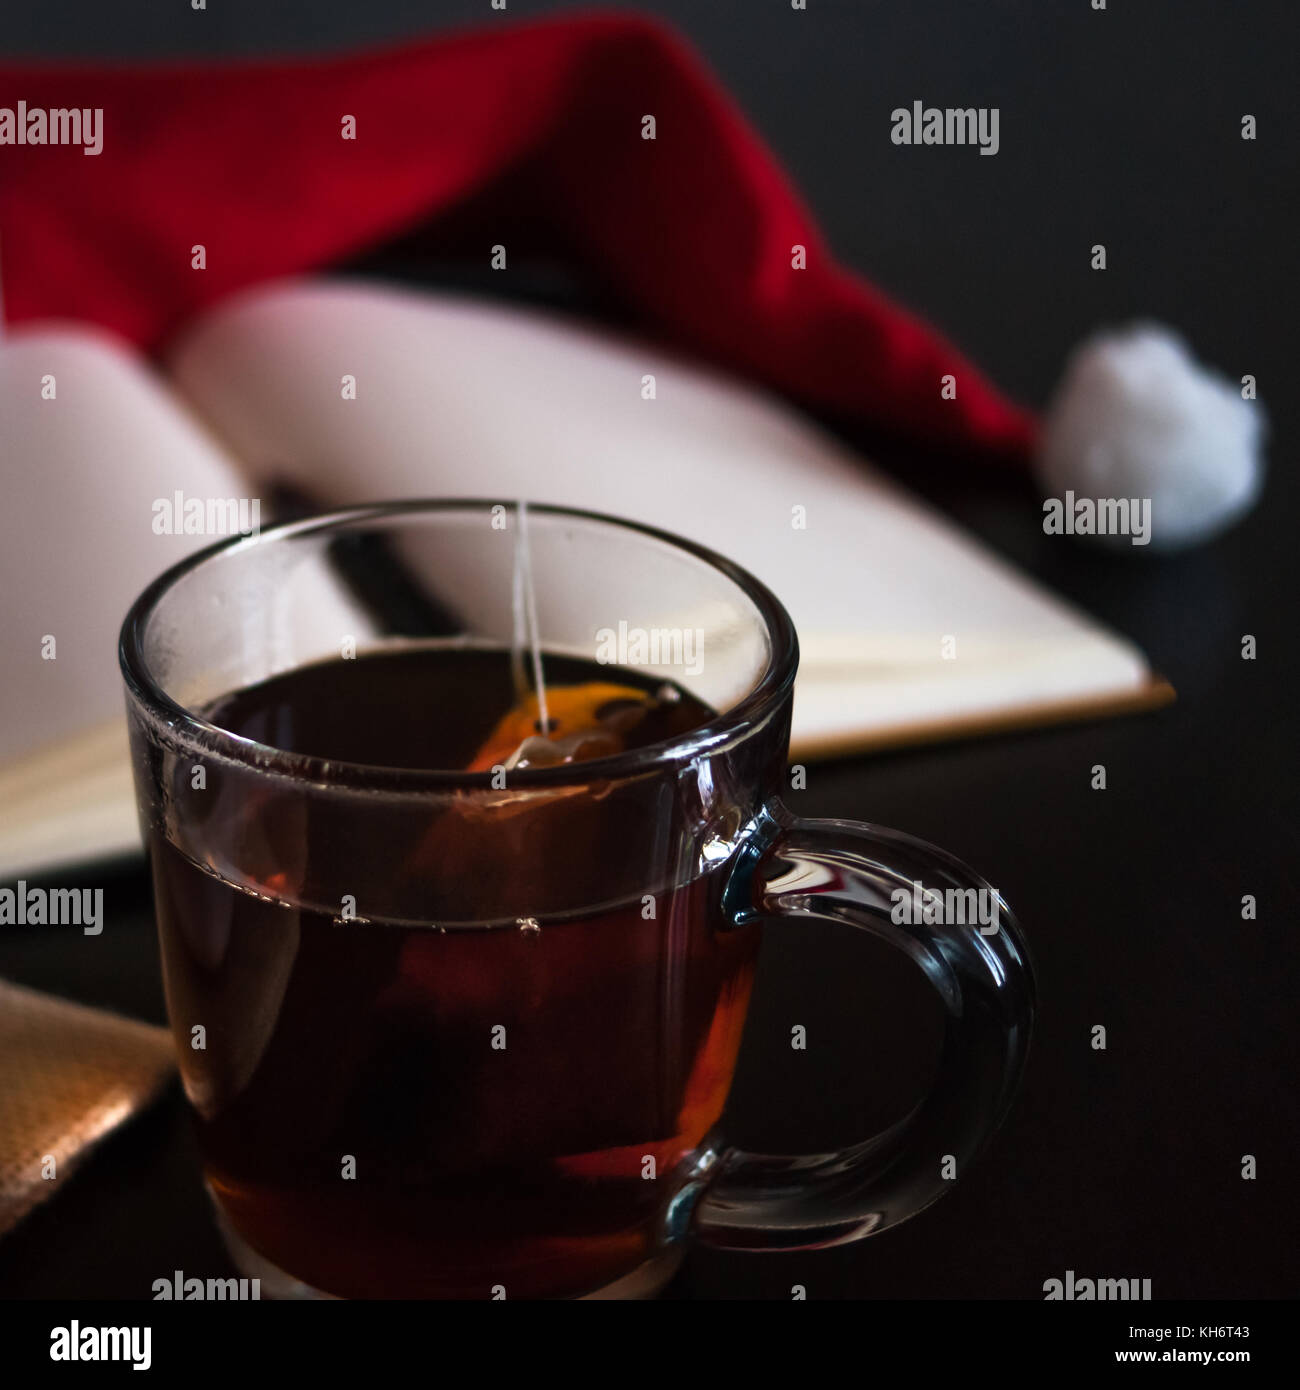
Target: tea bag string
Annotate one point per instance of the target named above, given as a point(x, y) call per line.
point(527, 633)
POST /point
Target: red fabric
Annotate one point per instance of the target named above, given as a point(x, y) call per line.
point(536, 130)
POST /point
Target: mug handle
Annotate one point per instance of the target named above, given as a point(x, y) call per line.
point(845, 871)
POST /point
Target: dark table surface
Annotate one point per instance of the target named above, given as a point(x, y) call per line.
point(1122, 127)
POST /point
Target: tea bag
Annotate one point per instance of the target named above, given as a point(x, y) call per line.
point(562, 724)
point(592, 720)
point(546, 726)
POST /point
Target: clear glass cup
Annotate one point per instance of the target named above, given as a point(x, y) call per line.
point(470, 1034)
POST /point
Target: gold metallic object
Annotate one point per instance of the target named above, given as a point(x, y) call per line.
point(68, 1076)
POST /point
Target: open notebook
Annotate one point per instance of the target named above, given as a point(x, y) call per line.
point(909, 629)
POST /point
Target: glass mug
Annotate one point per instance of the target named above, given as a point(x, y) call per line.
point(470, 1034)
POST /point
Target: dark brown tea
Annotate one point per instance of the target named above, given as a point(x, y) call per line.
point(488, 1064)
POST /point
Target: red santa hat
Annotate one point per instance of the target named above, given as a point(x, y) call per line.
point(602, 141)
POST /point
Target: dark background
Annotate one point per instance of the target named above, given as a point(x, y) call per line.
point(1119, 127)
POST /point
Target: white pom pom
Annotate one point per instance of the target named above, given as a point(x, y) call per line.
point(1136, 417)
